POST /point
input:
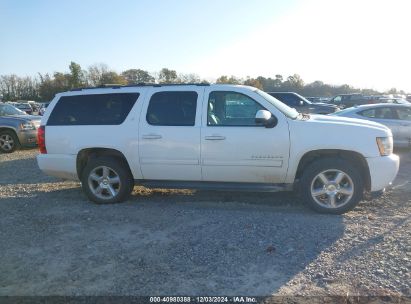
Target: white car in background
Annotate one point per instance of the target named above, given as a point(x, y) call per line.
point(397, 117)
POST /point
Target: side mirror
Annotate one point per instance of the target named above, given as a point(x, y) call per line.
point(265, 118)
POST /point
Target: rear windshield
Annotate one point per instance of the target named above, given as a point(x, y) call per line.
point(96, 109)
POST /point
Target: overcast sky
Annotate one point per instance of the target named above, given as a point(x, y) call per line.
point(363, 43)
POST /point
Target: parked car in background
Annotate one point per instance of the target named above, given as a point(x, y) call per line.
point(43, 108)
point(393, 100)
point(349, 100)
point(395, 116)
point(302, 105)
point(318, 99)
point(25, 107)
point(36, 107)
point(17, 129)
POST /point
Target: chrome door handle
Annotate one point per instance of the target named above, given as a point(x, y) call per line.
point(215, 137)
point(151, 136)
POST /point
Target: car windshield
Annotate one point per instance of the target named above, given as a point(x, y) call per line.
point(10, 110)
point(286, 110)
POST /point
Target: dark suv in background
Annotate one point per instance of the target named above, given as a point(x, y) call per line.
point(302, 105)
point(350, 100)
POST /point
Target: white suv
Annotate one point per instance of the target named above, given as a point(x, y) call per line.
point(221, 137)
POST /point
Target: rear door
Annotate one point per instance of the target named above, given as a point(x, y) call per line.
point(169, 134)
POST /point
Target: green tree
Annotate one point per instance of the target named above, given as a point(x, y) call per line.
point(167, 76)
point(134, 76)
point(278, 81)
point(189, 78)
point(100, 74)
point(77, 78)
point(253, 82)
point(51, 85)
point(227, 80)
point(294, 81)
point(95, 73)
point(112, 77)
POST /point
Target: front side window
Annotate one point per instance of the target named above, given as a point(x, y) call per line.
point(94, 109)
point(172, 109)
point(231, 109)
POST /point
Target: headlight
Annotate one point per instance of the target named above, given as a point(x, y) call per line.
point(27, 126)
point(385, 145)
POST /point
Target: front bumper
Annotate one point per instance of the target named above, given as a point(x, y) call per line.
point(27, 138)
point(383, 171)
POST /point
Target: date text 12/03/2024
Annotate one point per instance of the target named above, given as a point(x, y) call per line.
point(206, 299)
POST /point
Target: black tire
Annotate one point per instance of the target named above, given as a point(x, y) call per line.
point(352, 182)
point(10, 146)
point(117, 168)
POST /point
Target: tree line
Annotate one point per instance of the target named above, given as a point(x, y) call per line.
point(43, 87)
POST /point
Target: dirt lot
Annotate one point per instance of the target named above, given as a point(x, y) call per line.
point(54, 242)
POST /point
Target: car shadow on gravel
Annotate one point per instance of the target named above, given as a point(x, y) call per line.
point(22, 171)
point(183, 242)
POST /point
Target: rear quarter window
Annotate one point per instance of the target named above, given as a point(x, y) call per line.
point(96, 109)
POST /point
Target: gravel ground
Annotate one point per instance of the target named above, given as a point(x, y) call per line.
point(180, 242)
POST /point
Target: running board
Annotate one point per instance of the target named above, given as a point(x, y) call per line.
point(216, 186)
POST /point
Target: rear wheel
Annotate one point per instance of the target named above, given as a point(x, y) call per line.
point(332, 186)
point(106, 180)
point(8, 141)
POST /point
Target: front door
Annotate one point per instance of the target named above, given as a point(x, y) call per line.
point(236, 149)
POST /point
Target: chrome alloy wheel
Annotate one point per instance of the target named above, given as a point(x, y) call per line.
point(104, 182)
point(6, 142)
point(332, 188)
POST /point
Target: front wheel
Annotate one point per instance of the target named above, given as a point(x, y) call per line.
point(106, 180)
point(8, 141)
point(332, 186)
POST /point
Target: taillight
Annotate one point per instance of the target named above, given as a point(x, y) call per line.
point(41, 139)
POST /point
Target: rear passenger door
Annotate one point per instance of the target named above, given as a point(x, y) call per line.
point(169, 134)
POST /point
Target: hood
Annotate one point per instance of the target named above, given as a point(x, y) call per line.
point(316, 132)
point(339, 120)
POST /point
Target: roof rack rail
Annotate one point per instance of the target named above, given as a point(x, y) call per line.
point(141, 84)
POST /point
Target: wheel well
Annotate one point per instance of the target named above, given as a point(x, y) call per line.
point(12, 130)
point(356, 158)
point(86, 154)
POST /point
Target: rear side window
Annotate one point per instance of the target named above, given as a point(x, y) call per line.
point(379, 113)
point(96, 109)
point(172, 109)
